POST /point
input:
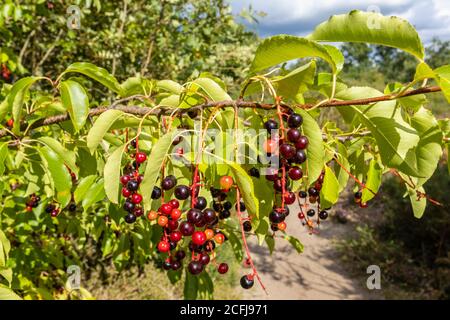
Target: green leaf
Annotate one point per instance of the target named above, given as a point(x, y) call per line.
point(342, 174)
point(298, 246)
point(205, 287)
point(83, 187)
point(67, 156)
point(370, 27)
point(8, 294)
point(153, 168)
point(5, 243)
point(429, 149)
point(236, 245)
point(58, 173)
point(418, 205)
point(174, 276)
point(190, 286)
point(289, 85)
point(373, 181)
point(423, 71)
point(282, 48)
point(329, 194)
point(4, 108)
point(270, 241)
point(111, 172)
point(5, 246)
point(3, 155)
point(170, 86)
point(100, 127)
point(16, 99)
point(75, 100)
point(443, 78)
point(212, 89)
point(94, 194)
point(247, 189)
point(315, 152)
point(96, 73)
point(396, 139)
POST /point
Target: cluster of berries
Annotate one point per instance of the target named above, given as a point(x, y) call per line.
point(33, 202)
point(290, 145)
point(130, 184)
point(310, 198)
point(197, 227)
point(357, 197)
point(52, 209)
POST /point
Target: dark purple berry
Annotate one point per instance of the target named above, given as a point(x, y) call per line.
point(295, 120)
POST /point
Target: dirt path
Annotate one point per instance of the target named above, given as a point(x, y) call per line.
point(314, 274)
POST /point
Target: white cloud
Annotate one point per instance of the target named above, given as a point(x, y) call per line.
point(430, 17)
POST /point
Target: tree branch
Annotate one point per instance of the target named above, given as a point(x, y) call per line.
point(141, 110)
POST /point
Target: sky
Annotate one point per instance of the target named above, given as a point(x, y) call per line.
point(299, 17)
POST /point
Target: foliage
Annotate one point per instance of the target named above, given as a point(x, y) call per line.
point(159, 39)
point(411, 253)
point(66, 141)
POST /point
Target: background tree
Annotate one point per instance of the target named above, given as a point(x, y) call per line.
point(160, 39)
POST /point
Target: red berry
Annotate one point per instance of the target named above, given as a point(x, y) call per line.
point(175, 214)
point(125, 192)
point(172, 224)
point(318, 186)
point(163, 246)
point(174, 203)
point(301, 215)
point(295, 173)
point(166, 209)
point(124, 179)
point(195, 267)
point(289, 198)
point(293, 135)
point(226, 182)
point(287, 151)
point(204, 259)
point(10, 123)
point(54, 213)
point(138, 212)
point(175, 236)
point(198, 238)
point(187, 228)
point(302, 143)
point(136, 198)
point(29, 209)
point(223, 268)
point(140, 157)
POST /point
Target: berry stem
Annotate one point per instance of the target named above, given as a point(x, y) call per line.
point(362, 185)
point(195, 183)
point(420, 194)
point(283, 185)
point(244, 240)
point(283, 168)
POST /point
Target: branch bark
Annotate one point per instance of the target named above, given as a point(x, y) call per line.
point(141, 111)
